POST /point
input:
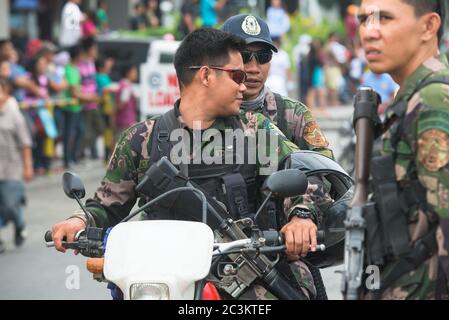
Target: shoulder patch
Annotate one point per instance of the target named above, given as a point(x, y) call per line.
point(313, 135)
point(433, 149)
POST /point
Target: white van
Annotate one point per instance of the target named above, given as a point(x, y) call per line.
point(158, 85)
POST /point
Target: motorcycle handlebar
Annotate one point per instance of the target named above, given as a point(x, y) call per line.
point(273, 242)
point(48, 237)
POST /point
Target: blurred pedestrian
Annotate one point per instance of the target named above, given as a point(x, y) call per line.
point(126, 113)
point(105, 89)
point(316, 95)
point(336, 58)
point(57, 85)
point(102, 17)
point(18, 75)
point(138, 21)
point(89, 25)
point(92, 120)
point(277, 19)
point(70, 29)
point(15, 164)
point(153, 14)
point(209, 11)
point(73, 122)
point(189, 12)
point(301, 54)
point(43, 118)
point(279, 76)
point(351, 23)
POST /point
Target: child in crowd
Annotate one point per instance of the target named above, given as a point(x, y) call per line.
point(43, 119)
point(126, 101)
point(106, 88)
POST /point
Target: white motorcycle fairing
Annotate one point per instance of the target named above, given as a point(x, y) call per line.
point(174, 253)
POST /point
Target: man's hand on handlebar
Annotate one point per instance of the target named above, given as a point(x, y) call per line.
point(66, 231)
point(300, 237)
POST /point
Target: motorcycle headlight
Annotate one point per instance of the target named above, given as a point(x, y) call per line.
point(149, 291)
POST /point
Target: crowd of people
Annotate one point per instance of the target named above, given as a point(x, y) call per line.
point(68, 97)
point(330, 71)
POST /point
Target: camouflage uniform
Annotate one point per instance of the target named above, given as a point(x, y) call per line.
point(302, 129)
point(116, 196)
point(423, 151)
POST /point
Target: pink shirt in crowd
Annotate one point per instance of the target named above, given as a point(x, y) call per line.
point(43, 89)
point(127, 116)
point(89, 29)
point(88, 83)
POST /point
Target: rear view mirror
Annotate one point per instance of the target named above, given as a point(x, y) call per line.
point(73, 186)
point(287, 183)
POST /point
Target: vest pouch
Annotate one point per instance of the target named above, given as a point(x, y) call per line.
point(392, 219)
point(374, 238)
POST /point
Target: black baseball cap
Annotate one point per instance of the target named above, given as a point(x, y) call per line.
point(251, 28)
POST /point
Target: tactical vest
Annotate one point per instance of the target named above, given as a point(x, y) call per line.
point(387, 220)
point(233, 185)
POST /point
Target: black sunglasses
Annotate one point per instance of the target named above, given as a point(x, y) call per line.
point(239, 76)
point(262, 56)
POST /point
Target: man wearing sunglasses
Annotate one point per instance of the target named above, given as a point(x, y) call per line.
point(401, 38)
point(209, 67)
point(292, 117)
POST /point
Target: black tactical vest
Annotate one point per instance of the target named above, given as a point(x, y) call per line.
point(233, 185)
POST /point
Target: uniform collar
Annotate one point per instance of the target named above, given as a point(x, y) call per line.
point(219, 123)
point(431, 65)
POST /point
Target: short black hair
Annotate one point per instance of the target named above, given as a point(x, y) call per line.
point(4, 42)
point(100, 63)
point(5, 84)
point(126, 68)
point(88, 43)
point(204, 47)
point(423, 7)
point(74, 51)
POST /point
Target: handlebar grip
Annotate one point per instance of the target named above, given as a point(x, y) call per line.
point(274, 238)
point(48, 236)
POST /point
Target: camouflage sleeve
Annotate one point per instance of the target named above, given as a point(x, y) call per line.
point(432, 157)
point(303, 129)
point(116, 195)
point(317, 197)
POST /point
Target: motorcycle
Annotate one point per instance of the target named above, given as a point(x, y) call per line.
point(185, 260)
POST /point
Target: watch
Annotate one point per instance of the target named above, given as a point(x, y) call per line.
point(303, 214)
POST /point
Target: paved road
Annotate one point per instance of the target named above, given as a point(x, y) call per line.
point(35, 272)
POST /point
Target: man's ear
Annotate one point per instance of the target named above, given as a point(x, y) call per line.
point(204, 76)
point(432, 23)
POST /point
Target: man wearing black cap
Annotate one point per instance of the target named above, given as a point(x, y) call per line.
point(291, 116)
